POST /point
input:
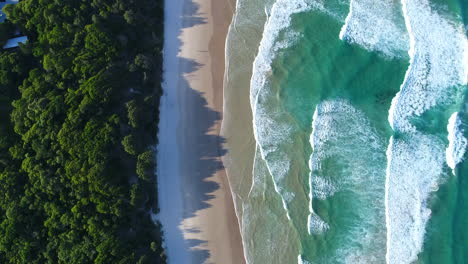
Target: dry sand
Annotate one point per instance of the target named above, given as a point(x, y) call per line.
point(197, 210)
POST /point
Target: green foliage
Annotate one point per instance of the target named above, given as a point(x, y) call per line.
point(76, 183)
point(129, 143)
point(133, 114)
point(137, 194)
point(146, 165)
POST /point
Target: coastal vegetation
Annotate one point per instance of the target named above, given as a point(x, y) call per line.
point(79, 109)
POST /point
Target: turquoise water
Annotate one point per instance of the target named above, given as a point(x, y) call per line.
point(359, 119)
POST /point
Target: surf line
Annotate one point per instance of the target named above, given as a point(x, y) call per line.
point(279, 19)
point(415, 159)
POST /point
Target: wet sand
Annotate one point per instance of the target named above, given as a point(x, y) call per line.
point(237, 128)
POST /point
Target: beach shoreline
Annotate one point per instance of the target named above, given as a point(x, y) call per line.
point(196, 207)
point(237, 128)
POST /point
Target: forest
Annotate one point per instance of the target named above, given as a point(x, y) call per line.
point(78, 129)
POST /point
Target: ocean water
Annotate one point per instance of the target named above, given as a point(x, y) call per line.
point(359, 114)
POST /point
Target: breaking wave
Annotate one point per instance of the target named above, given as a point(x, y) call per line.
point(273, 126)
point(457, 142)
point(415, 158)
point(436, 67)
point(377, 26)
point(349, 157)
point(415, 166)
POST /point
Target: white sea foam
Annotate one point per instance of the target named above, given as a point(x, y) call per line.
point(389, 154)
point(259, 185)
point(270, 128)
point(273, 127)
point(300, 260)
point(457, 142)
point(437, 64)
point(415, 160)
point(330, 8)
point(376, 25)
point(322, 187)
point(315, 225)
point(278, 20)
point(319, 187)
point(343, 136)
point(414, 169)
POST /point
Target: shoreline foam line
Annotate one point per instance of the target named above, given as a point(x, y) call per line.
point(227, 62)
point(278, 21)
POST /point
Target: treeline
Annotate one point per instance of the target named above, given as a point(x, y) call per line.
point(79, 110)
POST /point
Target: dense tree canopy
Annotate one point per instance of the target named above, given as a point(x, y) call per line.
point(79, 106)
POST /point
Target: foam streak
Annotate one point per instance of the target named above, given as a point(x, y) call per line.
point(457, 142)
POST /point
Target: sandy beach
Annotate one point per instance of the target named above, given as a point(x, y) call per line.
point(197, 210)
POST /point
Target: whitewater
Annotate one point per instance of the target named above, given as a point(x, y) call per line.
point(457, 141)
point(415, 158)
point(358, 121)
point(343, 133)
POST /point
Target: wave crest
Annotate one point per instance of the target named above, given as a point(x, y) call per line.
point(457, 142)
point(348, 157)
point(375, 25)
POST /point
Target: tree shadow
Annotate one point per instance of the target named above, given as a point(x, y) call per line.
point(198, 255)
point(199, 149)
point(200, 152)
point(192, 15)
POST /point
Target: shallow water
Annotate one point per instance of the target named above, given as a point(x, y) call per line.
point(358, 115)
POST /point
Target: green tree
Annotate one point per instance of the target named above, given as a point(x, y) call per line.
point(145, 165)
point(129, 144)
point(69, 194)
point(133, 114)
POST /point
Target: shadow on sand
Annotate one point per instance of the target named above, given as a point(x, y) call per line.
point(200, 151)
point(201, 154)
